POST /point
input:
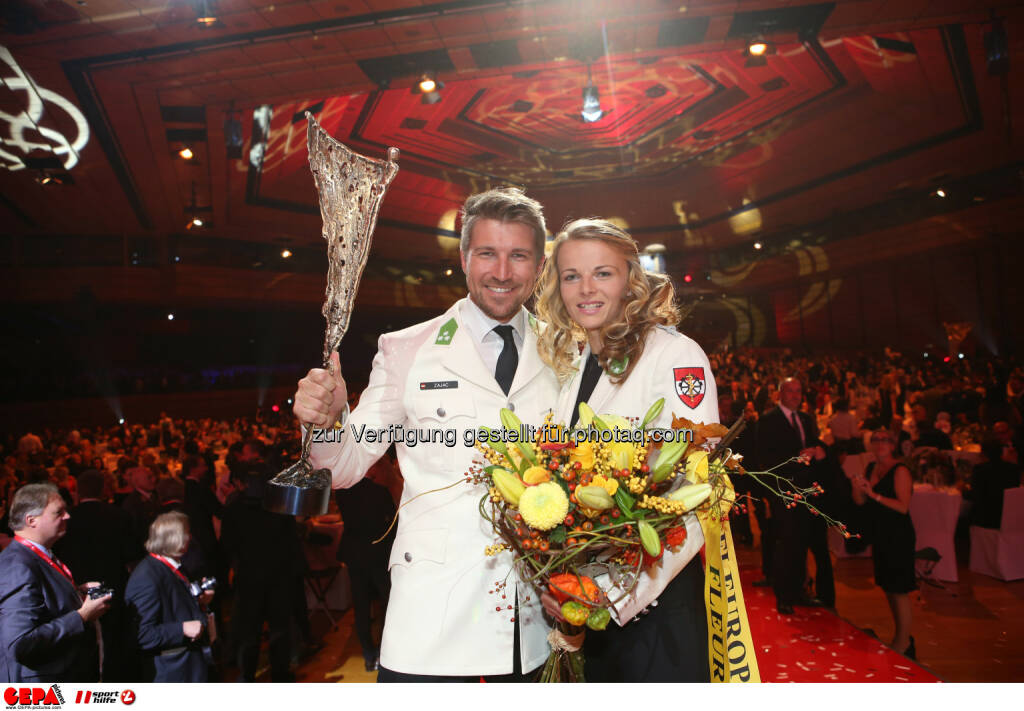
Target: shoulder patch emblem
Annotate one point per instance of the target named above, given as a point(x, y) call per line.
point(444, 336)
point(690, 386)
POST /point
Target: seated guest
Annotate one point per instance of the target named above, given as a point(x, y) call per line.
point(989, 480)
point(166, 617)
point(45, 630)
point(927, 435)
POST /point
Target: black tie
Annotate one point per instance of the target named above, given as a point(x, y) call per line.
point(796, 426)
point(588, 381)
point(505, 370)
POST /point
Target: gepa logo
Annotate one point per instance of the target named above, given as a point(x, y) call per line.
point(33, 697)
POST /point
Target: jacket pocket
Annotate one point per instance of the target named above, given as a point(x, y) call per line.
point(412, 548)
point(442, 406)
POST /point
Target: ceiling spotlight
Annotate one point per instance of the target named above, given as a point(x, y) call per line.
point(449, 271)
point(120, 421)
point(186, 153)
point(688, 278)
point(758, 245)
point(196, 222)
point(206, 14)
point(591, 111)
point(940, 193)
point(170, 317)
point(430, 87)
point(44, 179)
point(285, 253)
point(758, 48)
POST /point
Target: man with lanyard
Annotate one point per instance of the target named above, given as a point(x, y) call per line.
point(43, 617)
point(451, 616)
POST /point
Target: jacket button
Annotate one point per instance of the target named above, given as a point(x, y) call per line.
point(440, 412)
point(408, 557)
point(511, 407)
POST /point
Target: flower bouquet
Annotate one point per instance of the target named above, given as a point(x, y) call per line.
point(603, 502)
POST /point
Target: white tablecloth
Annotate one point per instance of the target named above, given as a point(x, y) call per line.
point(935, 513)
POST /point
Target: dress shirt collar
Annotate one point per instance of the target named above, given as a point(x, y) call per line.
point(480, 325)
point(788, 413)
point(39, 547)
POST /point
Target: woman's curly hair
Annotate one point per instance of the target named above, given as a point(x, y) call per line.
point(649, 302)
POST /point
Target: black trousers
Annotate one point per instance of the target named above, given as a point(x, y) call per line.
point(668, 644)
point(367, 581)
point(256, 602)
point(767, 526)
point(388, 676)
point(797, 531)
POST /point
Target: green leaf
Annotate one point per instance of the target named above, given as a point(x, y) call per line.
point(652, 413)
point(557, 534)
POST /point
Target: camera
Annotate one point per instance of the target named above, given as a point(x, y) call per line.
point(99, 591)
point(204, 585)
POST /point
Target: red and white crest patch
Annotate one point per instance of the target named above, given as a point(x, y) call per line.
point(690, 386)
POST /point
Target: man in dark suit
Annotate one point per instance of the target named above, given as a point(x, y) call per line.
point(367, 511)
point(167, 621)
point(266, 554)
point(46, 633)
point(783, 433)
point(100, 545)
point(141, 504)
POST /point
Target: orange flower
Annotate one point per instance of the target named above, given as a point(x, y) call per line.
point(675, 536)
point(565, 585)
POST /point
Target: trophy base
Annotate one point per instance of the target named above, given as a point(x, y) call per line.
point(293, 500)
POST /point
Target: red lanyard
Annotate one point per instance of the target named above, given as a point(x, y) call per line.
point(170, 565)
point(62, 569)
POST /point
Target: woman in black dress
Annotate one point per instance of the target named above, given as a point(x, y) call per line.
point(885, 489)
point(595, 293)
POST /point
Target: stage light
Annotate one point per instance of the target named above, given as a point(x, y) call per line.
point(196, 222)
point(940, 193)
point(120, 421)
point(758, 48)
point(170, 317)
point(960, 356)
point(926, 354)
point(286, 253)
point(688, 278)
point(591, 111)
point(946, 359)
point(430, 87)
point(205, 12)
point(289, 401)
point(275, 408)
point(186, 153)
point(758, 245)
point(449, 271)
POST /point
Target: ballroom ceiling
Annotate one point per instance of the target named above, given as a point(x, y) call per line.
point(860, 107)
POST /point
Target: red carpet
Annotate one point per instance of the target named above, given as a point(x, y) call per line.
point(814, 645)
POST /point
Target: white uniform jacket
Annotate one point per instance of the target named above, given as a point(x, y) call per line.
point(674, 367)
point(442, 618)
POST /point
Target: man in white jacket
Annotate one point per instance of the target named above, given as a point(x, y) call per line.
point(454, 613)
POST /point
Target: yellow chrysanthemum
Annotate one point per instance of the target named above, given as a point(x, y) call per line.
point(609, 485)
point(584, 454)
point(543, 506)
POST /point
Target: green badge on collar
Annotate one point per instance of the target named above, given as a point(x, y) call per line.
point(533, 322)
point(616, 367)
point(444, 336)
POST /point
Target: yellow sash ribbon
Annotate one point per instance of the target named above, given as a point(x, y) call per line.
point(731, 651)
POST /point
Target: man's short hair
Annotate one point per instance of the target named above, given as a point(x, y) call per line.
point(504, 205)
point(90, 484)
point(30, 500)
point(168, 534)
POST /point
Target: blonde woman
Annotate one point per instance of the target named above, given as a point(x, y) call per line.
point(167, 619)
point(611, 339)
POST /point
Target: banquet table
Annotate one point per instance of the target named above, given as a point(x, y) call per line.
point(934, 513)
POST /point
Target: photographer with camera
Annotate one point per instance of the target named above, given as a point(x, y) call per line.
point(169, 624)
point(44, 621)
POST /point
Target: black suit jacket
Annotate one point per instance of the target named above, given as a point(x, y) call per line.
point(100, 544)
point(142, 511)
point(42, 636)
point(159, 602)
point(776, 441)
point(366, 510)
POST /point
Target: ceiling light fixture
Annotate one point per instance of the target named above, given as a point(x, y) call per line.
point(591, 111)
point(758, 245)
point(285, 253)
point(206, 15)
point(186, 153)
point(940, 193)
point(430, 88)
